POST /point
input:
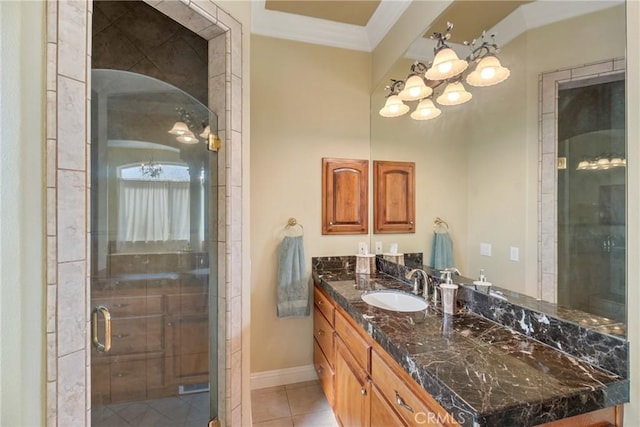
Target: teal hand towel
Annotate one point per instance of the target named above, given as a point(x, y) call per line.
point(442, 251)
point(293, 286)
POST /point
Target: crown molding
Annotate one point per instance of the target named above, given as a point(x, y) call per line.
point(324, 32)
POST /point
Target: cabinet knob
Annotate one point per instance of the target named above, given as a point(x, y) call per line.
point(363, 391)
point(330, 222)
point(319, 370)
point(320, 332)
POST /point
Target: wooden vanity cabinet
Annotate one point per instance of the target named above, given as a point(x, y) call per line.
point(366, 387)
point(345, 196)
point(323, 343)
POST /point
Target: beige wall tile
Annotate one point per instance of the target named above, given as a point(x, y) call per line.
point(587, 70)
point(181, 13)
point(236, 324)
point(71, 124)
point(71, 307)
point(71, 216)
point(72, 36)
point(72, 383)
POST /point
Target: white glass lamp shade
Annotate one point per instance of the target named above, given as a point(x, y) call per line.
point(394, 107)
point(584, 164)
point(188, 138)
point(446, 64)
point(426, 110)
point(205, 133)
point(488, 72)
point(454, 94)
point(616, 162)
point(179, 128)
point(415, 89)
point(603, 163)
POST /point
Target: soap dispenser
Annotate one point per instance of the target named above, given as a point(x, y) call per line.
point(448, 290)
point(481, 284)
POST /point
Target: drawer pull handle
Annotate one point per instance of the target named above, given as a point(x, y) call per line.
point(363, 391)
point(102, 347)
point(320, 332)
point(120, 336)
point(402, 403)
point(120, 305)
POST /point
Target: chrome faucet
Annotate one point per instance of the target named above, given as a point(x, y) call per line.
point(416, 284)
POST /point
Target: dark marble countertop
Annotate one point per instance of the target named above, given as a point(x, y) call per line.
point(482, 373)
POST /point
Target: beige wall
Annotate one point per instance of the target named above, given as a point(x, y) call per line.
point(21, 214)
point(308, 102)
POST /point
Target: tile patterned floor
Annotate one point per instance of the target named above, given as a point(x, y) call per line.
point(189, 410)
point(300, 405)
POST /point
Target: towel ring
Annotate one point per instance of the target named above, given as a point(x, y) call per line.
point(291, 223)
point(439, 222)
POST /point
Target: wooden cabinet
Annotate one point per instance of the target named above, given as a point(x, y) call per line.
point(187, 333)
point(606, 417)
point(394, 209)
point(159, 342)
point(413, 405)
point(382, 414)
point(345, 196)
point(351, 389)
point(323, 343)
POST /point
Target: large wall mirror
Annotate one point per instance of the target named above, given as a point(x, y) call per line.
point(488, 167)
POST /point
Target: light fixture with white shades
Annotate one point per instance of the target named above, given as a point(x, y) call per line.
point(447, 71)
point(188, 127)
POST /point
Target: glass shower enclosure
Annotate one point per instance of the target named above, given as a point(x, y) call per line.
point(153, 254)
point(591, 196)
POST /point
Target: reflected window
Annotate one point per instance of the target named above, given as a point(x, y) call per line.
point(153, 204)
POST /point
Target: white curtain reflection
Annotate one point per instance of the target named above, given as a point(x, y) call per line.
point(153, 211)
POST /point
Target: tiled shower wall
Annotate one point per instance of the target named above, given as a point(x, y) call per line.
point(67, 220)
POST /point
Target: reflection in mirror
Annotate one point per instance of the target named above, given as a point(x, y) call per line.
point(478, 165)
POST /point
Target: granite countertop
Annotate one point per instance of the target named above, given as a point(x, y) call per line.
point(482, 373)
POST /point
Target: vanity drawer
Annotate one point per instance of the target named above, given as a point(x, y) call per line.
point(324, 371)
point(414, 410)
point(355, 342)
point(323, 334)
point(131, 305)
point(324, 304)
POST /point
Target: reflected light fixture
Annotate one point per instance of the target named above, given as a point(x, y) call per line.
point(488, 72)
point(426, 110)
point(394, 107)
point(151, 169)
point(186, 128)
point(179, 128)
point(602, 162)
point(454, 94)
point(446, 71)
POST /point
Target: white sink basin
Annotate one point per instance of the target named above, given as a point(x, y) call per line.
point(394, 300)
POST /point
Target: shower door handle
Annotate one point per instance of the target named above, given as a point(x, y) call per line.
point(106, 346)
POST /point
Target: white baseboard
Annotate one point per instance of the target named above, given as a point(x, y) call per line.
point(283, 376)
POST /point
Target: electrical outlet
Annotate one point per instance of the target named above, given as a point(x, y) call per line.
point(378, 248)
point(514, 253)
point(485, 249)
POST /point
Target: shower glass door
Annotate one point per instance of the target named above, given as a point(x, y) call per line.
point(591, 196)
point(153, 254)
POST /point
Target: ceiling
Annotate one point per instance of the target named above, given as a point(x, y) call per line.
point(362, 24)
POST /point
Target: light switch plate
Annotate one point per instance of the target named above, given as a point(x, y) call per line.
point(514, 253)
point(485, 249)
